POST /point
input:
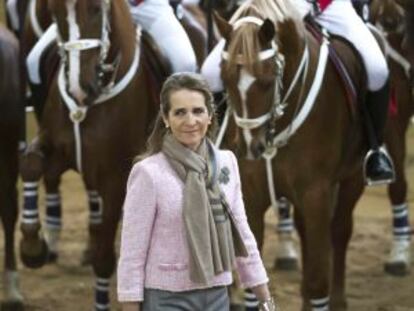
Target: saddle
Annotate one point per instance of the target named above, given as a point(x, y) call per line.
point(338, 49)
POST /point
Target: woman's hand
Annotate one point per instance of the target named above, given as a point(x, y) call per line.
point(262, 292)
point(263, 295)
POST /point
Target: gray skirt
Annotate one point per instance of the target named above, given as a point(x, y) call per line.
point(209, 299)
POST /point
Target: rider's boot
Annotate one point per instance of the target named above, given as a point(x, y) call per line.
point(378, 165)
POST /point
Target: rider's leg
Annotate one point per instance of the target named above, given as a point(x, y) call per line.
point(340, 18)
point(157, 17)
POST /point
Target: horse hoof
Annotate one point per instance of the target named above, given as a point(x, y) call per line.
point(11, 306)
point(52, 257)
point(236, 307)
point(399, 259)
point(396, 269)
point(34, 254)
point(86, 259)
point(339, 304)
point(286, 264)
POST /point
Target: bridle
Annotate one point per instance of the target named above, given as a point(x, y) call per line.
point(275, 140)
point(279, 104)
point(111, 89)
point(85, 44)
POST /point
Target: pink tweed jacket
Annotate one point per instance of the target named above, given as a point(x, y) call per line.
point(154, 251)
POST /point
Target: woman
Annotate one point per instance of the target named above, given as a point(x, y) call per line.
point(340, 18)
point(184, 225)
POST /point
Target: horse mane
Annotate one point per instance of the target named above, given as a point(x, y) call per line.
point(245, 39)
point(123, 32)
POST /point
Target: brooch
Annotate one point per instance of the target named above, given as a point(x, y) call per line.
point(224, 176)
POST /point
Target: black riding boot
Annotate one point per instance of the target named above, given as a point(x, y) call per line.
point(378, 166)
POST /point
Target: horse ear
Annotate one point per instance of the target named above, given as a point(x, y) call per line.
point(267, 31)
point(223, 26)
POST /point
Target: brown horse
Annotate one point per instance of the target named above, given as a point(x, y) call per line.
point(388, 16)
point(96, 120)
point(37, 22)
point(408, 42)
point(291, 109)
point(11, 108)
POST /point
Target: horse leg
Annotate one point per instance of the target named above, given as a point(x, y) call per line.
point(399, 260)
point(342, 224)
point(53, 224)
point(299, 225)
point(95, 219)
point(286, 255)
point(13, 299)
point(103, 255)
point(316, 206)
point(33, 248)
point(54, 213)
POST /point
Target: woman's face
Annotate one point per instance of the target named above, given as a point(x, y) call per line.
point(188, 117)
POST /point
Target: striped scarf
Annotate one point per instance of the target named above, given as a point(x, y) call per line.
point(213, 238)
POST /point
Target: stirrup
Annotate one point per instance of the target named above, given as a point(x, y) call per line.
point(367, 179)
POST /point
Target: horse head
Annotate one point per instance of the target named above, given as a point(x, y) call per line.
point(408, 40)
point(84, 43)
point(260, 54)
point(389, 16)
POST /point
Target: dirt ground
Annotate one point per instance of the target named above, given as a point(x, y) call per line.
point(69, 286)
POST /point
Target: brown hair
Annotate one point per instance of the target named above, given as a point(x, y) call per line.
point(178, 81)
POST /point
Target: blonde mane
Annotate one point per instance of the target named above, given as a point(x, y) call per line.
point(245, 39)
point(275, 10)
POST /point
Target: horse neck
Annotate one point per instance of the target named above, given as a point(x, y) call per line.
point(43, 14)
point(122, 35)
point(292, 45)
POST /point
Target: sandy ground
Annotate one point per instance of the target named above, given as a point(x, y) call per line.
point(69, 286)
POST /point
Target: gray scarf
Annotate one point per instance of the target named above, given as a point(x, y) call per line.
point(213, 238)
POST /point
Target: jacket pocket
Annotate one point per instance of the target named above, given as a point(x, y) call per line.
point(172, 266)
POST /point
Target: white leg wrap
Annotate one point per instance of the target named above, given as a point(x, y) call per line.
point(52, 238)
point(400, 253)
point(286, 247)
point(320, 304)
point(11, 286)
